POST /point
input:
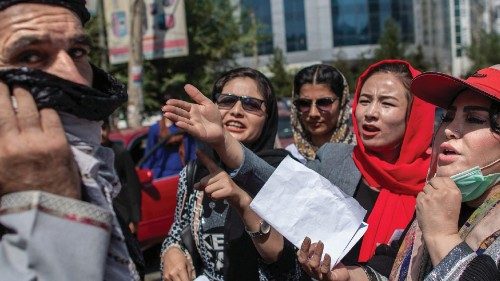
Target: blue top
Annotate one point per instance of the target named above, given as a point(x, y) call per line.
point(166, 160)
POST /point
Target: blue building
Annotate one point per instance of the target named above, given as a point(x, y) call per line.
point(315, 31)
point(321, 30)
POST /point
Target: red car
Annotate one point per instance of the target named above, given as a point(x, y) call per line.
point(158, 195)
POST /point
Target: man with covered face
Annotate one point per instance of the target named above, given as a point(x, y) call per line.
point(56, 181)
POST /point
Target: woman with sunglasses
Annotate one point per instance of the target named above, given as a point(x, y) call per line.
point(458, 211)
point(383, 172)
point(320, 111)
point(223, 250)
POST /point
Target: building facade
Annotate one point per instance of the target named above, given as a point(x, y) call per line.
point(327, 30)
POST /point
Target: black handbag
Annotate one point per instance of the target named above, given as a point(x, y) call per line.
point(187, 238)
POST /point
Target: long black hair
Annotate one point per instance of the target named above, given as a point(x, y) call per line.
point(268, 135)
point(320, 74)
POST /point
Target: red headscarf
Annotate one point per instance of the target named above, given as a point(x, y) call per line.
point(399, 182)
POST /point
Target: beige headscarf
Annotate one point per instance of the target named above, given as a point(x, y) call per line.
point(342, 132)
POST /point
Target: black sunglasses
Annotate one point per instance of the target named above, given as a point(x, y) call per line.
point(322, 104)
point(227, 101)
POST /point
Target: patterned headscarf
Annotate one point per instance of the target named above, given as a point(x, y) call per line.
point(342, 132)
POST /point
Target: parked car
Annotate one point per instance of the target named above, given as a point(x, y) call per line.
point(158, 195)
point(285, 132)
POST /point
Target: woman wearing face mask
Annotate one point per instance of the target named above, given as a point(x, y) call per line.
point(392, 162)
point(248, 108)
point(386, 169)
point(320, 111)
point(458, 213)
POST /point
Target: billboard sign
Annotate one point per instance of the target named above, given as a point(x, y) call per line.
point(164, 29)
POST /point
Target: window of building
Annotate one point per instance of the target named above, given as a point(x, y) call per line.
point(295, 25)
point(260, 11)
point(358, 22)
point(447, 38)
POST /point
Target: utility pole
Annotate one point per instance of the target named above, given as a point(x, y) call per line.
point(135, 105)
point(102, 35)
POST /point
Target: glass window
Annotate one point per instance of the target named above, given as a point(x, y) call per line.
point(261, 10)
point(295, 25)
point(358, 22)
point(446, 26)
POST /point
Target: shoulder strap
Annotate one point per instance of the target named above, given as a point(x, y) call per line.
point(186, 235)
point(191, 169)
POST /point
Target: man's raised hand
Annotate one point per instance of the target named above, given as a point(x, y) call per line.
point(34, 151)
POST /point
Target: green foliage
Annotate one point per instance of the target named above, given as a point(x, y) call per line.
point(281, 79)
point(390, 42)
point(484, 51)
point(418, 61)
point(92, 29)
point(215, 38)
point(253, 33)
point(392, 47)
point(352, 69)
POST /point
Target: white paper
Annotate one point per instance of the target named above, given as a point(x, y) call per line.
point(201, 278)
point(298, 202)
point(359, 233)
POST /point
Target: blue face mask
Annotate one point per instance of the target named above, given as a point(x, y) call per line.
point(472, 183)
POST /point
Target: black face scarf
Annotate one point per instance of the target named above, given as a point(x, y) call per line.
point(77, 6)
point(50, 91)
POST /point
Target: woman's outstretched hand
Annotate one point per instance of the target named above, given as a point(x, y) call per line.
point(201, 119)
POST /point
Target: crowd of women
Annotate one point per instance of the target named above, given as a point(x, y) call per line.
point(431, 194)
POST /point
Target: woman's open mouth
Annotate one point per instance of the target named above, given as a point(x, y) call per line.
point(235, 126)
point(447, 155)
point(369, 130)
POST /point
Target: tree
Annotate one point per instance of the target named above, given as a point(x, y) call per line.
point(417, 59)
point(281, 79)
point(484, 50)
point(135, 104)
point(98, 55)
point(215, 38)
point(390, 46)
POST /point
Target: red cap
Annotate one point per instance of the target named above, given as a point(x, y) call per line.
point(441, 89)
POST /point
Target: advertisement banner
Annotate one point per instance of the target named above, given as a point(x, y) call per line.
point(164, 27)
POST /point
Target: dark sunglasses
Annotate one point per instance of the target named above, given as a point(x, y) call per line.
point(322, 104)
point(227, 101)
